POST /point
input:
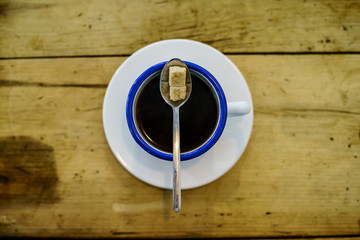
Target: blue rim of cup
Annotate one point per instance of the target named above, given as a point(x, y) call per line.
point(187, 155)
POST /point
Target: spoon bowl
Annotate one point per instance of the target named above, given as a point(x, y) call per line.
point(164, 82)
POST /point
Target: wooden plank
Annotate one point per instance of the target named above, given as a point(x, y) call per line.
point(73, 28)
point(298, 176)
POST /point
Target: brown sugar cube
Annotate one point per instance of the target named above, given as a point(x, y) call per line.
point(177, 93)
point(177, 76)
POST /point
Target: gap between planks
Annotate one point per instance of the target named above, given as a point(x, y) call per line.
point(225, 53)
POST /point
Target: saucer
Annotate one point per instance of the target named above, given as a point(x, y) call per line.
point(195, 172)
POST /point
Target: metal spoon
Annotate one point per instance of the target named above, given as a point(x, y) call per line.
point(165, 93)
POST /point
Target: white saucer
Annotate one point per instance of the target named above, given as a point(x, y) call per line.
point(195, 172)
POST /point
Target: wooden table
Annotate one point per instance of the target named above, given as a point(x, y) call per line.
point(299, 176)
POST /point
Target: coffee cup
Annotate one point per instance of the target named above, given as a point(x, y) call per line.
point(202, 118)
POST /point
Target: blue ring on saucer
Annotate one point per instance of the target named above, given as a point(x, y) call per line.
point(187, 155)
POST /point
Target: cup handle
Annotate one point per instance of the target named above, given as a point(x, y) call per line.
point(238, 108)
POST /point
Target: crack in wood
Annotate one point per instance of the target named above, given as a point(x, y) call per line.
point(316, 110)
point(15, 83)
point(321, 110)
point(124, 233)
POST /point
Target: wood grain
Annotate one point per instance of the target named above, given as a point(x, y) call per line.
point(74, 28)
point(298, 176)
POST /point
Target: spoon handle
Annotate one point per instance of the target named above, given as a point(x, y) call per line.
point(176, 161)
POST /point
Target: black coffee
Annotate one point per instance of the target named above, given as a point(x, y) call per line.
point(198, 116)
